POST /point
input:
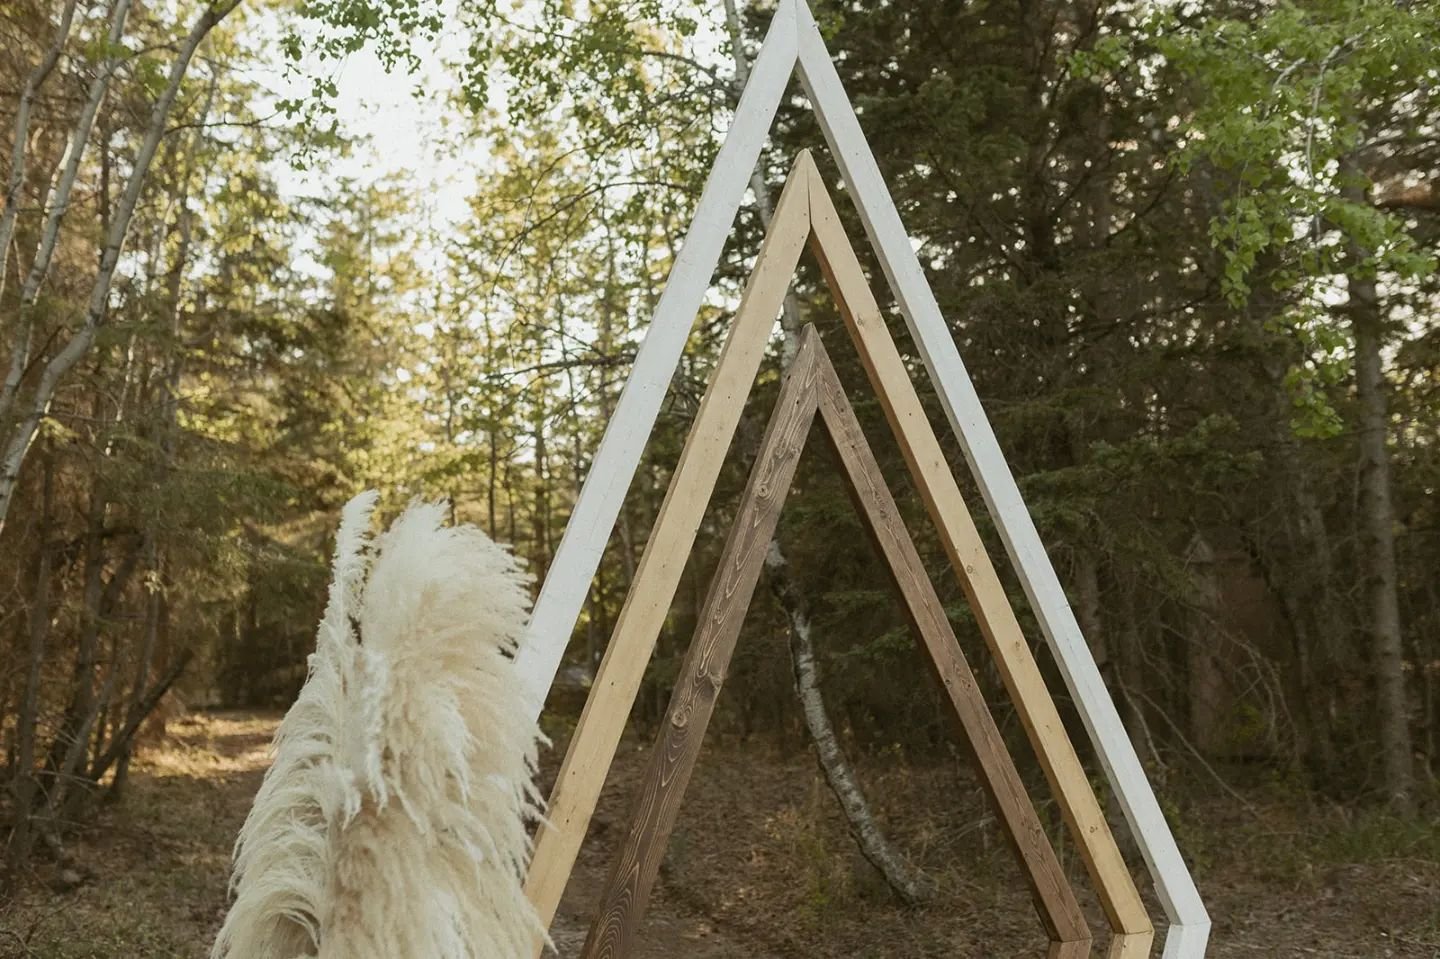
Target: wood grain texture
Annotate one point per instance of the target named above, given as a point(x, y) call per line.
point(997, 773)
point(1068, 950)
point(983, 589)
point(602, 723)
point(1190, 923)
point(627, 891)
point(805, 209)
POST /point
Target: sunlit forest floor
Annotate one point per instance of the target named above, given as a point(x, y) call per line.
point(760, 866)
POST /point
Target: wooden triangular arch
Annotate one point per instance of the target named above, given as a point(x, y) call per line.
point(804, 213)
point(810, 387)
point(794, 46)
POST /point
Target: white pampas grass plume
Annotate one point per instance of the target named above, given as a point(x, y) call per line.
point(392, 822)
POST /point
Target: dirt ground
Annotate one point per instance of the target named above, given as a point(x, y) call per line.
point(761, 866)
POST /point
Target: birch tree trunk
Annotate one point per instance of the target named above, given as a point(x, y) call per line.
point(19, 149)
point(69, 744)
point(18, 443)
point(57, 205)
point(912, 887)
point(1377, 521)
point(24, 787)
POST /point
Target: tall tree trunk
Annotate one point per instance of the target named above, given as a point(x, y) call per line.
point(1130, 673)
point(156, 613)
point(492, 480)
point(491, 485)
point(18, 443)
point(1088, 612)
point(1300, 569)
point(1377, 520)
point(69, 745)
point(1088, 607)
point(19, 149)
point(25, 787)
point(59, 205)
point(540, 517)
point(1205, 680)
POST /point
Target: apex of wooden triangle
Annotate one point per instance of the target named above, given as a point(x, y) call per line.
point(804, 165)
point(796, 192)
point(819, 205)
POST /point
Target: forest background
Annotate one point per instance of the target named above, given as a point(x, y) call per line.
point(1188, 252)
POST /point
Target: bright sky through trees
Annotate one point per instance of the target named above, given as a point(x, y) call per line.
point(406, 131)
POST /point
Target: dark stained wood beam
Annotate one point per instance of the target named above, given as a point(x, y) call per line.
point(1054, 898)
point(627, 891)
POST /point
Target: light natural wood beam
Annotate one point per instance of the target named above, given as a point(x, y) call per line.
point(602, 723)
point(983, 589)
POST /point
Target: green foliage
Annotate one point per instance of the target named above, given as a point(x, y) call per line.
point(1299, 107)
point(592, 57)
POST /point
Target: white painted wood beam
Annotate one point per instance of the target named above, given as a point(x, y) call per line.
point(563, 593)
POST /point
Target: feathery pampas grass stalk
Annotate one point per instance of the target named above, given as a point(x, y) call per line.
point(391, 824)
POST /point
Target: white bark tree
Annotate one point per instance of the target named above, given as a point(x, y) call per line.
point(57, 206)
point(19, 150)
point(19, 438)
point(1377, 526)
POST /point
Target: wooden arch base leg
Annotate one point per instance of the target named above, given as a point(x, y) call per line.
point(1072, 949)
point(627, 891)
point(811, 386)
